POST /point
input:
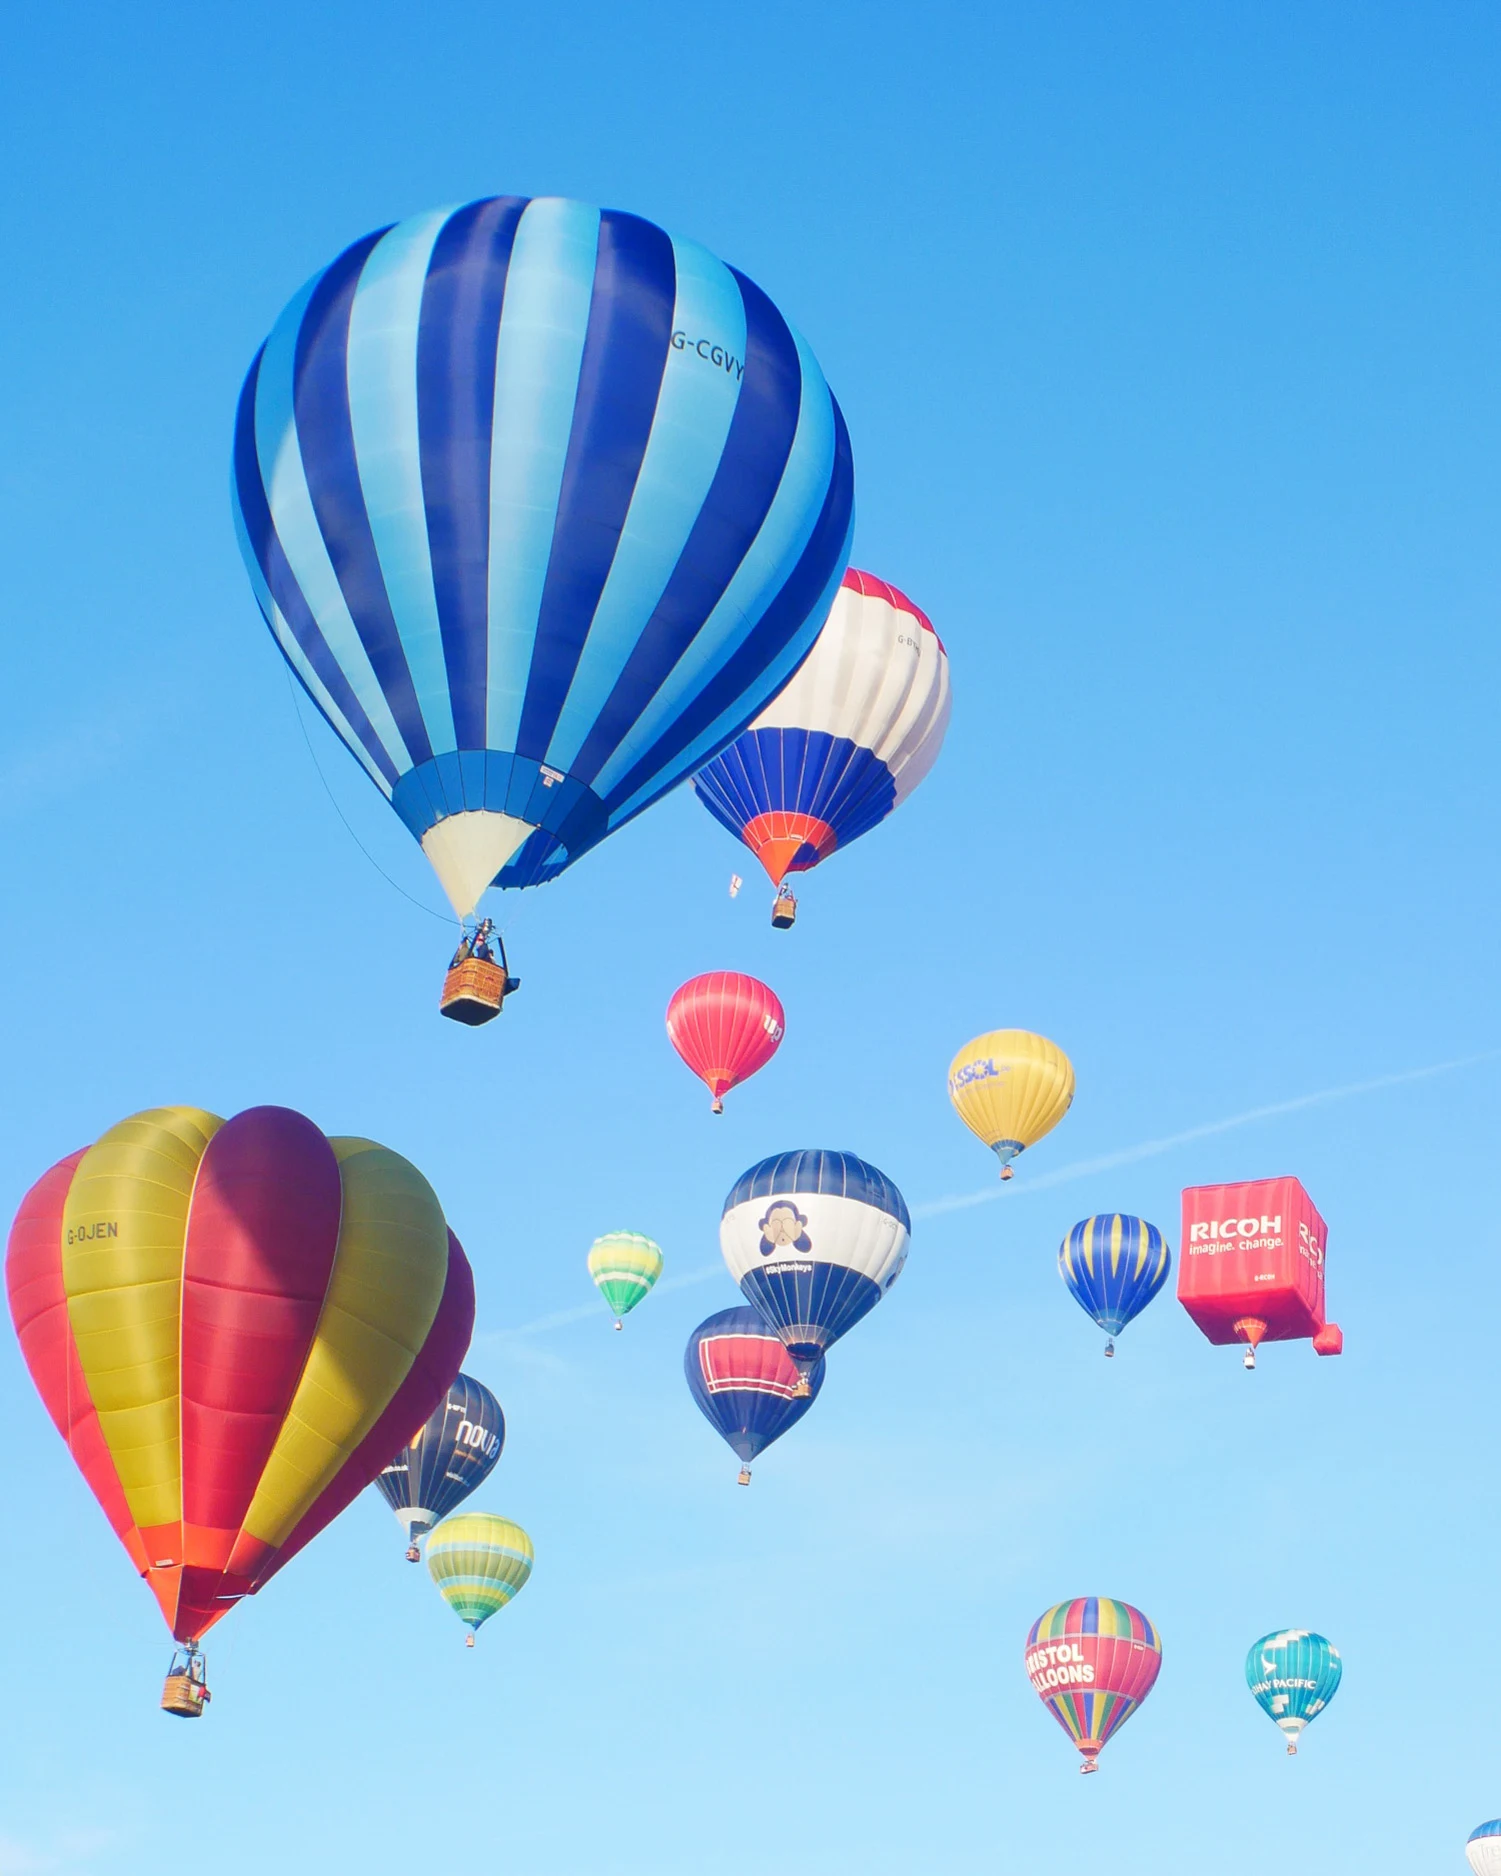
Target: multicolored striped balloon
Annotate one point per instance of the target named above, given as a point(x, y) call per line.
point(1293, 1675)
point(1483, 1850)
point(1114, 1265)
point(845, 742)
point(1092, 1661)
point(233, 1324)
point(479, 1563)
point(624, 1266)
point(542, 507)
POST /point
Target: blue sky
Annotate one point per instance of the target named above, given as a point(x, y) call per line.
point(1166, 338)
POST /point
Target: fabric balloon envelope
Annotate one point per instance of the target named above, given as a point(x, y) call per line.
point(1251, 1265)
point(815, 1239)
point(745, 1383)
point(542, 505)
point(1293, 1674)
point(1113, 1266)
point(454, 1451)
point(233, 1324)
point(842, 744)
point(725, 1026)
point(1092, 1662)
point(1483, 1850)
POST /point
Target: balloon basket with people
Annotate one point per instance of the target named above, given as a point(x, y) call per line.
point(477, 983)
point(185, 1692)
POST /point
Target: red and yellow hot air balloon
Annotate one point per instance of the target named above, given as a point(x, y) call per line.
point(233, 1324)
point(725, 1026)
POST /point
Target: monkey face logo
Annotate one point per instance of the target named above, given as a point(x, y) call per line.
point(784, 1228)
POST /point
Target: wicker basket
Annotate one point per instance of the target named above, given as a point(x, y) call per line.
point(183, 1696)
point(473, 991)
point(783, 911)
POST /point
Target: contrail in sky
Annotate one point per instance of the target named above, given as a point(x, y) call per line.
point(1060, 1175)
point(1128, 1155)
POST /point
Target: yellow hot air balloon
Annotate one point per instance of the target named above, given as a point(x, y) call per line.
point(1011, 1087)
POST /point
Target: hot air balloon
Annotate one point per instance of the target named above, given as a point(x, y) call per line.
point(542, 506)
point(815, 1240)
point(725, 1026)
point(746, 1384)
point(452, 1452)
point(232, 1323)
point(1093, 1662)
point(846, 740)
point(1294, 1674)
point(624, 1266)
point(1010, 1088)
point(1483, 1850)
point(479, 1562)
point(1251, 1266)
point(1114, 1265)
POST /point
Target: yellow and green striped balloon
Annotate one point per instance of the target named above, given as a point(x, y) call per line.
point(479, 1562)
point(624, 1266)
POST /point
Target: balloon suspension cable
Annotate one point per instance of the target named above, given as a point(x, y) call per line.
point(394, 884)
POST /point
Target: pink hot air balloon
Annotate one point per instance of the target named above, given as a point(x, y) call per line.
point(725, 1026)
point(1092, 1661)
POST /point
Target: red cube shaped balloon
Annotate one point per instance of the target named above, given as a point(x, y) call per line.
point(1251, 1265)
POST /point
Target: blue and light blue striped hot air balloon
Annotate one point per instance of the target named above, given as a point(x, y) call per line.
point(1293, 1674)
point(814, 1239)
point(542, 505)
point(1114, 1265)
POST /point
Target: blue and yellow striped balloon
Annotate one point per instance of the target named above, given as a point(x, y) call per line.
point(479, 1562)
point(1114, 1265)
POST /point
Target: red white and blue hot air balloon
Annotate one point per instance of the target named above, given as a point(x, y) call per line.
point(843, 743)
point(745, 1383)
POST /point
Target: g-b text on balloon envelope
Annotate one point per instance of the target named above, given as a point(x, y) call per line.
point(712, 353)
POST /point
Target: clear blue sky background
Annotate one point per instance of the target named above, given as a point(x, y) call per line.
point(1166, 334)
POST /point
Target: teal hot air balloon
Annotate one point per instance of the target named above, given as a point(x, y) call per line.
point(1114, 1265)
point(1293, 1674)
point(542, 505)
